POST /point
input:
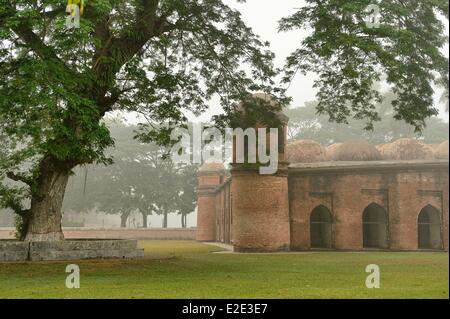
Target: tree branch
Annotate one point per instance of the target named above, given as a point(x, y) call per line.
point(117, 51)
point(36, 44)
point(53, 13)
point(122, 49)
point(19, 178)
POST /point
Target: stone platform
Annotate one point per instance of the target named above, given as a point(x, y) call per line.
point(11, 250)
point(116, 233)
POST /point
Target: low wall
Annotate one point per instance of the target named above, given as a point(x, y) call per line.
point(118, 233)
point(11, 250)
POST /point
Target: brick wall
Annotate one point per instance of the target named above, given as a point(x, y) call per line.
point(402, 191)
point(260, 211)
point(223, 213)
point(208, 182)
point(206, 217)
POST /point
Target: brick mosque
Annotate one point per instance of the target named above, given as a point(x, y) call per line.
point(347, 196)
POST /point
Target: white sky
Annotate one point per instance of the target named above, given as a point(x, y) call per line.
point(263, 17)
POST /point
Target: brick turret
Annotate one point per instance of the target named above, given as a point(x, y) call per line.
point(210, 176)
point(260, 204)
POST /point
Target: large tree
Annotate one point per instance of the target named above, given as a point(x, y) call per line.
point(161, 58)
point(352, 46)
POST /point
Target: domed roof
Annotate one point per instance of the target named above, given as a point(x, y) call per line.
point(355, 150)
point(212, 167)
point(407, 149)
point(270, 99)
point(434, 147)
point(441, 151)
point(331, 150)
point(305, 151)
point(382, 148)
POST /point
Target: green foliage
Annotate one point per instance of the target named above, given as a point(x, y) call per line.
point(140, 179)
point(305, 123)
point(350, 56)
point(15, 197)
point(21, 224)
point(252, 111)
point(161, 58)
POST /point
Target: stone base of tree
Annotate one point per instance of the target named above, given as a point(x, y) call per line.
point(69, 250)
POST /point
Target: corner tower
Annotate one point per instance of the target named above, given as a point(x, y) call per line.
point(260, 203)
point(210, 176)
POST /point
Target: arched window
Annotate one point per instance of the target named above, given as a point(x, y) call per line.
point(375, 227)
point(429, 228)
point(321, 223)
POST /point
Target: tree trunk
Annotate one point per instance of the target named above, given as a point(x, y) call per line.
point(165, 220)
point(44, 223)
point(144, 220)
point(183, 220)
point(124, 218)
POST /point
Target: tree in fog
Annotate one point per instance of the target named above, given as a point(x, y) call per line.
point(350, 52)
point(141, 180)
point(187, 198)
point(305, 123)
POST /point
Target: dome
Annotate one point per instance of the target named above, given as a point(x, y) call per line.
point(356, 150)
point(407, 149)
point(382, 148)
point(306, 151)
point(212, 167)
point(434, 147)
point(441, 151)
point(267, 98)
point(331, 150)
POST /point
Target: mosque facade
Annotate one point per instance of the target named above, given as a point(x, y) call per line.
point(350, 196)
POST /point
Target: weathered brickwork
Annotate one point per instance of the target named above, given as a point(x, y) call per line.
point(210, 177)
point(223, 231)
point(401, 190)
point(392, 196)
point(270, 213)
point(206, 219)
point(260, 211)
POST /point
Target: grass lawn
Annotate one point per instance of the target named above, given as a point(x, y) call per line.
point(183, 269)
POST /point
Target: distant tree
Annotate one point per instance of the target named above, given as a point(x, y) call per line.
point(350, 56)
point(305, 123)
point(167, 188)
point(141, 180)
point(444, 99)
point(187, 198)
